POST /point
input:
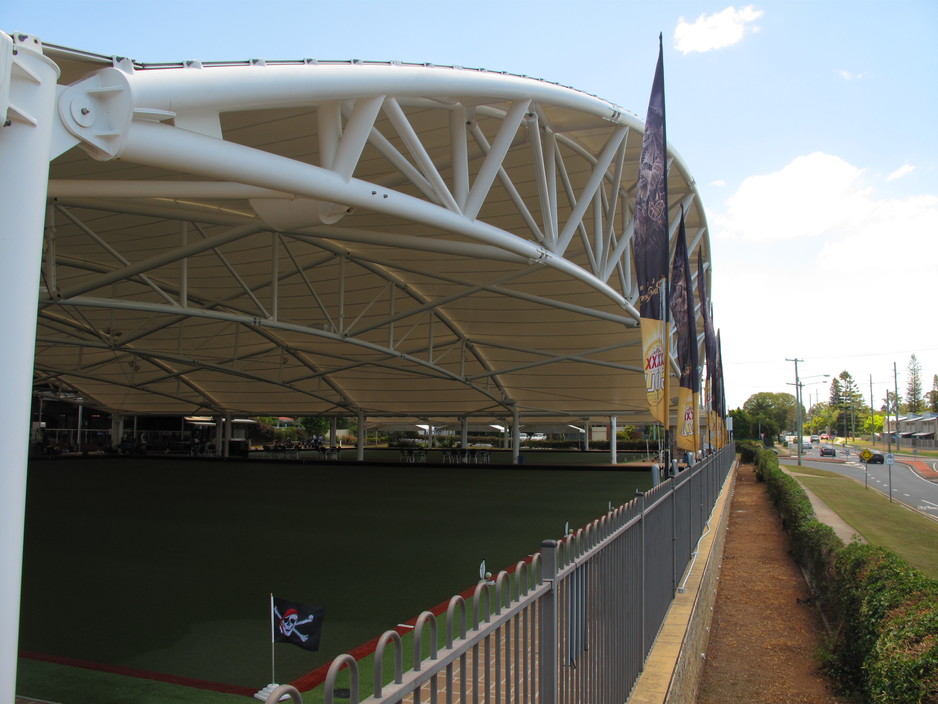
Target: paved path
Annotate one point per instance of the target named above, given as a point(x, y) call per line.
point(825, 514)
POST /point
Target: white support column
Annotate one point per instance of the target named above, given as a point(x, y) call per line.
point(219, 436)
point(464, 439)
point(333, 432)
point(228, 426)
point(27, 113)
point(586, 435)
point(360, 449)
point(515, 436)
point(613, 430)
point(117, 430)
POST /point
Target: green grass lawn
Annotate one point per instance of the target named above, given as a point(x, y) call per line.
point(907, 533)
point(166, 566)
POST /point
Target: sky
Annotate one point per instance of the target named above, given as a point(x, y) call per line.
point(807, 125)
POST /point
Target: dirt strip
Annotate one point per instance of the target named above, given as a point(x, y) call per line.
point(765, 632)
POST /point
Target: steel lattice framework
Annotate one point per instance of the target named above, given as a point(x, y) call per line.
point(321, 238)
point(369, 239)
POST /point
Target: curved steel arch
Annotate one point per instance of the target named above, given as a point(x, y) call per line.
point(423, 240)
point(307, 237)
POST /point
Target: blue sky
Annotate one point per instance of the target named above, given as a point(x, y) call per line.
point(806, 123)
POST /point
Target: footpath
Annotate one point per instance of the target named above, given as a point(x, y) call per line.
point(765, 631)
point(744, 629)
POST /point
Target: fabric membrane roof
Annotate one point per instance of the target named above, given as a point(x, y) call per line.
point(315, 238)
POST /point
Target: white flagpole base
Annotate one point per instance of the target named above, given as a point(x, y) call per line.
point(267, 691)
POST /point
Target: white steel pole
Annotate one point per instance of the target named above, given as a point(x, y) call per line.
point(28, 81)
point(613, 445)
point(227, 441)
point(360, 449)
point(515, 435)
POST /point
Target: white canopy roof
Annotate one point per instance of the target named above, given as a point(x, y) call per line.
point(313, 238)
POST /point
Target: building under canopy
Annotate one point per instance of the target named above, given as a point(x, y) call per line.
point(378, 240)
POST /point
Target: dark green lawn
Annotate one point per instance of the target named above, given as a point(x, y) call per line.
point(167, 565)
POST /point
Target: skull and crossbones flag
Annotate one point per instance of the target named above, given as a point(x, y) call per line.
point(296, 623)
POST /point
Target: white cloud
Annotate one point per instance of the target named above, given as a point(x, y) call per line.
point(715, 31)
point(812, 195)
point(719, 182)
point(850, 76)
point(900, 172)
point(867, 261)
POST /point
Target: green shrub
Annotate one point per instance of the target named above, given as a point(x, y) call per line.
point(885, 646)
point(883, 612)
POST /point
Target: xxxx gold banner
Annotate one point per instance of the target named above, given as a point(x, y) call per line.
point(686, 420)
point(654, 356)
point(682, 311)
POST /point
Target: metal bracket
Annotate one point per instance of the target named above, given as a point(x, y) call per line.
point(98, 111)
point(10, 69)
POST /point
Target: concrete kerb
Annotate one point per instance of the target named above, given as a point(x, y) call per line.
point(674, 667)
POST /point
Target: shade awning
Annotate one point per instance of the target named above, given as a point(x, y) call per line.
point(344, 238)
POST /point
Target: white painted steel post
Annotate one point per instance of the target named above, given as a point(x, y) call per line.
point(613, 445)
point(515, 436)
point(228, 426)
point(117, 430)
point(219, 436)
point(27, 110)
point(360, 451)
point(547, 657)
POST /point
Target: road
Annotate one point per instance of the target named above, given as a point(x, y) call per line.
point(907, 486)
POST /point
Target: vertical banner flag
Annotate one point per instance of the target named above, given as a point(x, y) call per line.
point(650, 244)
point(682, 310)
point(710, 343)
point(719, 396)
point(296, 623)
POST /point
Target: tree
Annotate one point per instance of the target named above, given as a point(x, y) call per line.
point(776, 409)
point(913, 388)
point(315, 425)
point(873, 424)
point(890, 406)
point(850, 399)
point(822, 418)
point(932, 396)
point(741, 425)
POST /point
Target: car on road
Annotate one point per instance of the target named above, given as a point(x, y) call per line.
point(807, 446)
point(828, 451)
point(815, 438)
point(825, 436)
point(876, 457)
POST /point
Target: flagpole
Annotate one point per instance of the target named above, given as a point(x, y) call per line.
point(273, 669)
point(666, 321)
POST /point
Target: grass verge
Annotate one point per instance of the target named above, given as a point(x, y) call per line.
point(890, 525)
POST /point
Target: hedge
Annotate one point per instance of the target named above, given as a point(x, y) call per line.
point(882, 613)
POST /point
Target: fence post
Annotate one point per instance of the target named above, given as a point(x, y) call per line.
point(673, 535)
point(642, 580)
point(548, 625)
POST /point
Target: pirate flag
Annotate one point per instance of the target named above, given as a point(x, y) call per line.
point(296, 623)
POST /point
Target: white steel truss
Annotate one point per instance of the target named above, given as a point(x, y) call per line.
point(376, 239)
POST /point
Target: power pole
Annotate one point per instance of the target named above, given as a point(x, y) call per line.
point(798, 406)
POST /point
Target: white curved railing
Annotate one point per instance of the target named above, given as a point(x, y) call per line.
point(572, 624)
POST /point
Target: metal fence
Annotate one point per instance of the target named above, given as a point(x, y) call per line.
point(572, 624)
